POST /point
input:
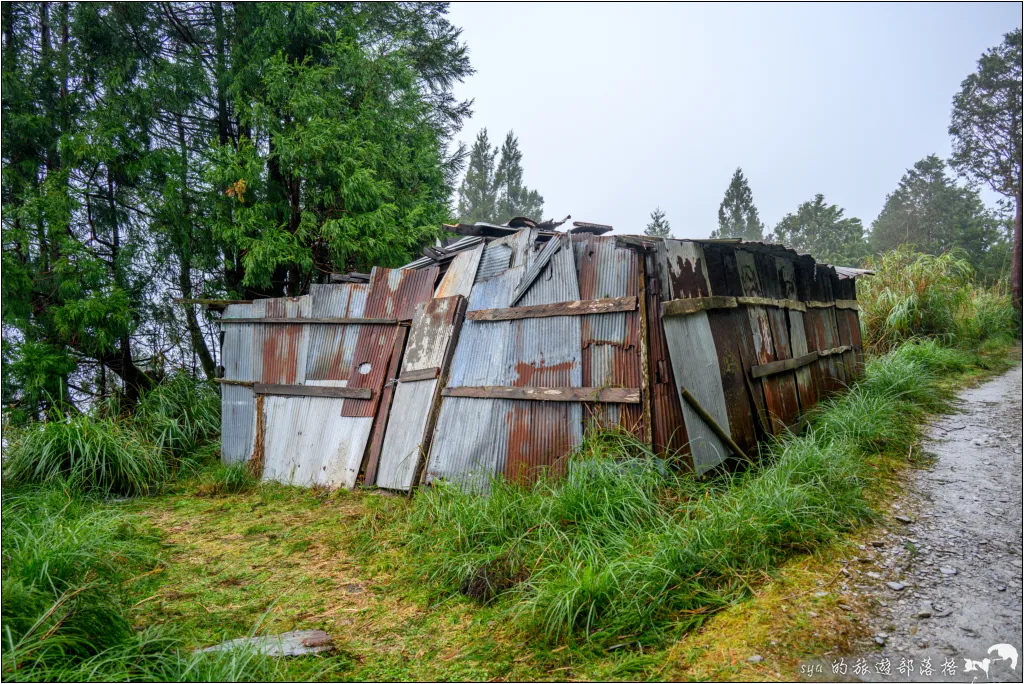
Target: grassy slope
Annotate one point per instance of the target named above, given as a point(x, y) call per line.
point(283, 558)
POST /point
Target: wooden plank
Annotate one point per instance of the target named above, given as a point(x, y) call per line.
point(608, 395)
point(784, 365)
point(835, 350)
point(240, 383)
point(383, 410)
point(421, 374)
point(314, 391)
point(768, 301)
point(580, 307)
point(838, 304)
point(315, 321)
point(684, 307)
point(710, 421)
point(645, 355)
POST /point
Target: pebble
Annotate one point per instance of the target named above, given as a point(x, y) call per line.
point(754, 659)
point(947, 571)
point(880, 641)
point(878, 544)
point(873, 575)
point(895, 586)
point(903, 519)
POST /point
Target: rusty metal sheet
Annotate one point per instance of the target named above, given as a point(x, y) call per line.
point(458, 279)
point(668, 431)
point(781, 402)
point(610, 341)
point(282, 346)
point(545, 352)
point(331, 348)
point(394, 293)
point(694, 356)
point(434, 329)
point(471, 435)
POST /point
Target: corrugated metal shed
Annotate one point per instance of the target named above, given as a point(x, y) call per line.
point(702, 348)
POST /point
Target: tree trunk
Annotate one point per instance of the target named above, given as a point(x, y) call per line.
point(1015, 262)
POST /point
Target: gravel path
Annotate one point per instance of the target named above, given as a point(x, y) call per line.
point(947, 575)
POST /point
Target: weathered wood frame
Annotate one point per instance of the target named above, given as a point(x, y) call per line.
point(607, 395)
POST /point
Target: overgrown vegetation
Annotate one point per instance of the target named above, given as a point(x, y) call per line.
point(925, 295)
point(624, 549)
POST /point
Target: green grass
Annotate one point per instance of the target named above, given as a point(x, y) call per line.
point(624, 549)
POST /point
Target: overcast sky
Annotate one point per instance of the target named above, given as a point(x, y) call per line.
point(622, 107)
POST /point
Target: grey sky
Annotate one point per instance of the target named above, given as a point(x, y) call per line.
point(621, 107)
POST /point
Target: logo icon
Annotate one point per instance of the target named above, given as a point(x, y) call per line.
point(1005, 652)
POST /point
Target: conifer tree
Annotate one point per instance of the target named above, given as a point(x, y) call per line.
point(514, 198)
point(659, 225)
point(478, 194)
point(820, 229)
point(737, 215)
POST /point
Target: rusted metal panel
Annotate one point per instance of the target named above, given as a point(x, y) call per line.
point(394, 293)
point(545, 352)
point(458, 279)
point(433, 330)
point(306, 443)
point(668, 431)
point(610, 341)
point(780, 394)
point(768, 272)
point(694, 356)
point(471, 435)
point(331, 348)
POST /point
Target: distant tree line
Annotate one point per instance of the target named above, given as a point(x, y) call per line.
point(928, 210)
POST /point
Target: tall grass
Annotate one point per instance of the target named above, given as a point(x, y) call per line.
point(623, 547)
point(924, 295)
point(175, 423)
point(69, 564)
point(84, 452)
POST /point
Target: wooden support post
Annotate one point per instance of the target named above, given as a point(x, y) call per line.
point(711, 422)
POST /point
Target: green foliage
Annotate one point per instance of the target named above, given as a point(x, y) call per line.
point(623, 546)
point(69, 567)
point(820, 230)
point(181, 416)
point(929, 211)
point(495, 194)
point(659, 225)
point(229, 479)
point(63, 557)
point(914, 295)
point(86, 453)
point(737, 215)
point(221, 150)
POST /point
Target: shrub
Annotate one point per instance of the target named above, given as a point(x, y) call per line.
point(925, 295)
point(180, 415)
point(103, 454)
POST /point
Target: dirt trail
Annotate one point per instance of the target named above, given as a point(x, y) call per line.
point(947, 576)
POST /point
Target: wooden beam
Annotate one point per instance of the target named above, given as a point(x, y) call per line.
point(315, 391)
point(847, 304)
point(682, 307)
point(711, 422)
point(421, 374)
point(835, 350)
point(766, 301)
point(240, 383)
point(784, 365)
point(314, 321)
point(603, 395)
point(579, 307)
point(212, 302)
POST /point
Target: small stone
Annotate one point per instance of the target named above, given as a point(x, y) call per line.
point(895, 586)
point(924, 614)
point(844, 606)
point(1001, 587)
point(903, 519)
point(820, 594)
point(878, 544)
point(812, 614)
point(754, 659)
point(947, 571)
point(873, 575)
point(880, 641)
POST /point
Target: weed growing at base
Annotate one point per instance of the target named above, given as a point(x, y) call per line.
point(622, 549)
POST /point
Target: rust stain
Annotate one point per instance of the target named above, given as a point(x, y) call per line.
point(688, 278)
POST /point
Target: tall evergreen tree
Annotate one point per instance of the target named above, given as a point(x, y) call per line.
point(514, 198)
point(737, 215)
point(821, 230)
point(478, 193)
point(931, 212)
point(659, 225)
point(988, 136)
point(330, 127)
